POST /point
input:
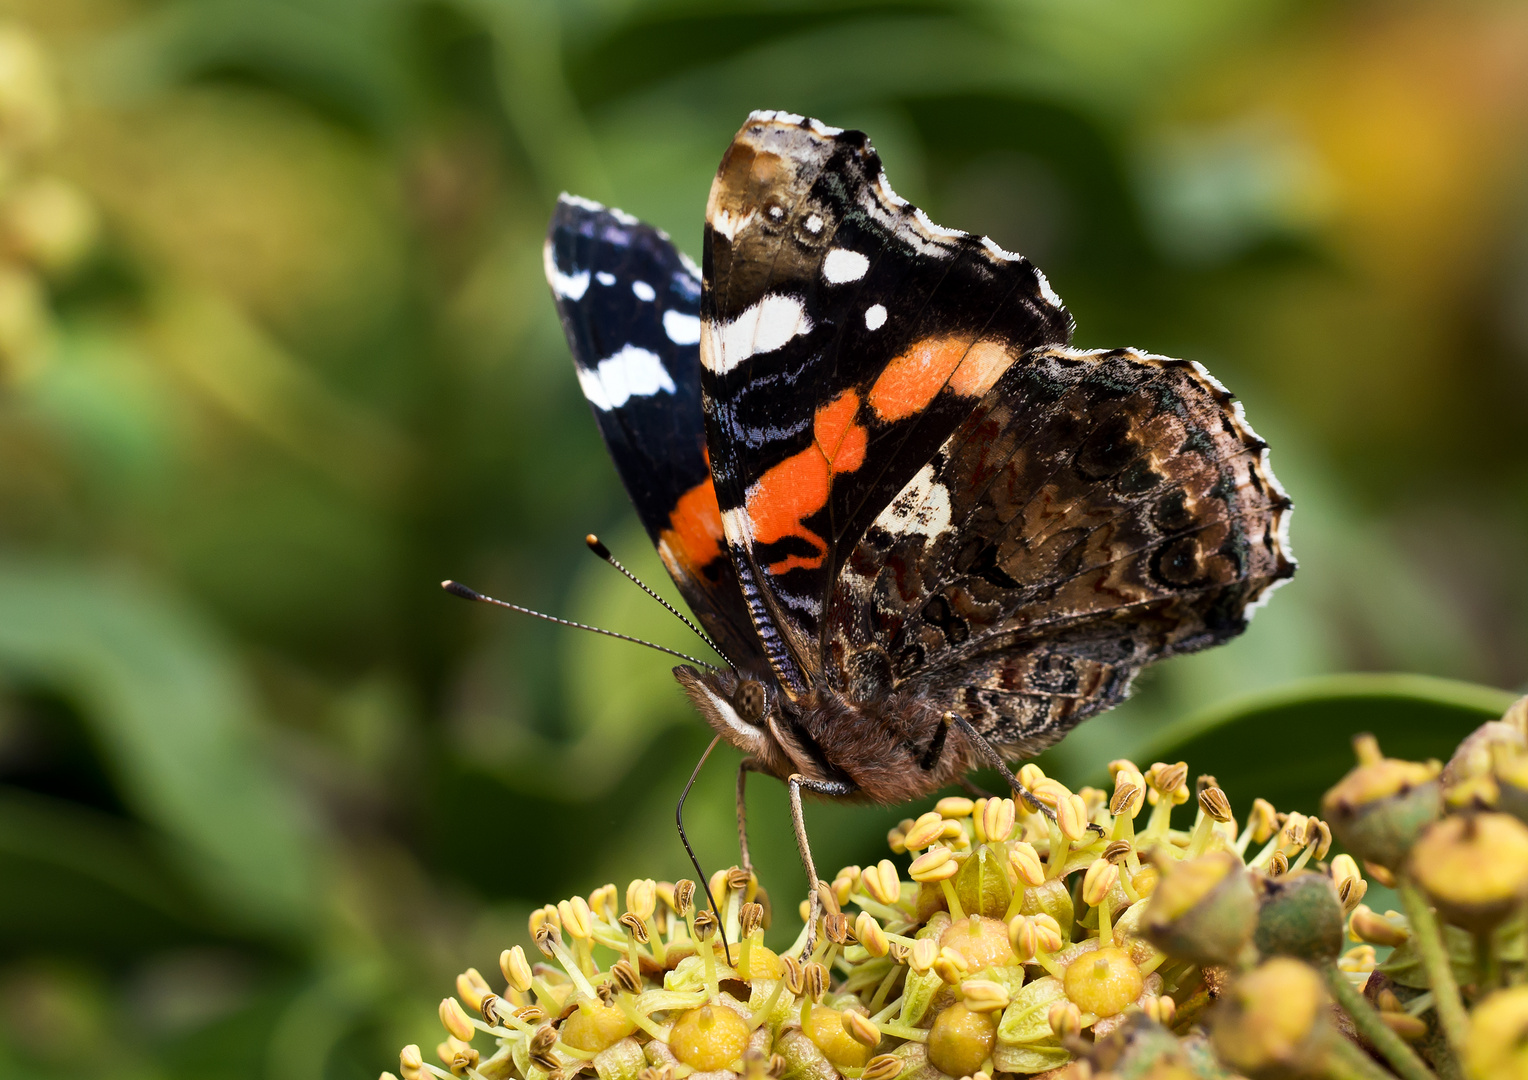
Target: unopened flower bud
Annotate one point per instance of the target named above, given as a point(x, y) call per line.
point(923, 954)
point(954, 807)
point(928, 828)
point(997, 820)
point(1204, 910)
point(1162, 1009)
point(984, 995)
point(1474, 867)
point(1273, 1021)
point(1026, 863)
point(1072, 817)
point(882, 883)
point(642, 897)
point(936, 864)
point(455, 1019)
point(1047, 931)
point(1299, 915)
point(1365, 925)
point(1099, 879)
point(1381, 806)
point(1497, 1047)
point(576, 918)
point(1023, 937)
point(869, 934)
point(861, 1029)
point(472, 988)
point(1065, 1019)
point(1263, 820)
point(410, 1061)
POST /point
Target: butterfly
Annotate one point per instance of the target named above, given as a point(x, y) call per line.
point(925, 532)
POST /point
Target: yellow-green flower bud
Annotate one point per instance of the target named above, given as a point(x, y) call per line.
point(935, 864)
point(882, 883)
point(1299, 915)
point(455, 1019)
point(1204, 910)
point(928, 828)
point(1474, 866)
point(1272, 1022)
point(1026, 863)
point(955, 806)
point(1381, 806)
point(515, 968)
point(1498, 1044)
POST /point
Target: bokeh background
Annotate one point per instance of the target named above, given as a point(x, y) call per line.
point(276, 357)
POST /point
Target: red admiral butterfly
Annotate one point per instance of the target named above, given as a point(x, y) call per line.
point(924, 532)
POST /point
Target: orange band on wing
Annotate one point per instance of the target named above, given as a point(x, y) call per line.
point(694, 537)
point(912, 380)
point(792, 491)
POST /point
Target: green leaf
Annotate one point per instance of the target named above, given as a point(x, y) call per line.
point(174, 722)
point(1291, 744)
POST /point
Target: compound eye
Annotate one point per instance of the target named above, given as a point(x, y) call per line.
point(749, 701)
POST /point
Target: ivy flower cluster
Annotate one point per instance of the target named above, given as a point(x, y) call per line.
point(1098, 933)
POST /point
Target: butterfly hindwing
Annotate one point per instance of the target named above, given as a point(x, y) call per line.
point(1096, 511)
point(630, 306)
point(844, 336)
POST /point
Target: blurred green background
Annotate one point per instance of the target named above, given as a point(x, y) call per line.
point(276, 357)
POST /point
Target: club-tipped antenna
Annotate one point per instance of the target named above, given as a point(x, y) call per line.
point(456, 588)
point(598, 547)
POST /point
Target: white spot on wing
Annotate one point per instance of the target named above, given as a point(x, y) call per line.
point(565, 286)
point(682, 329)
point(814, 224)
point(843, 265)
point(761, 328)
point(642, 290)
point(598, 208)
point(605, 278)
point(875, 316)
point(922, 509)
point(729, 225)
point(632, 372)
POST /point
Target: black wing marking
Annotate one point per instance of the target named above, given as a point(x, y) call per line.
point(844, 336)
point(630, 306)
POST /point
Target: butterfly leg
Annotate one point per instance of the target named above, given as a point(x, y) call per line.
point(995, 759)
point(936, 744)
point(746, 766)
point(836, 788)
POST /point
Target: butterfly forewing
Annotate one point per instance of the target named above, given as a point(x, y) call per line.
point(844, 337)
point(630, 306)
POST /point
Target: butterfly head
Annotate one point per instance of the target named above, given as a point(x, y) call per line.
point(739, 708)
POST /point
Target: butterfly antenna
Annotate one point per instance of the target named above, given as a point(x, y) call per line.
point(456, 588)
point(705, 882)
point(598, 547)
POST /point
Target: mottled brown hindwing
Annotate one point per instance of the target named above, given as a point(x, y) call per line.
point(1096, 511)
